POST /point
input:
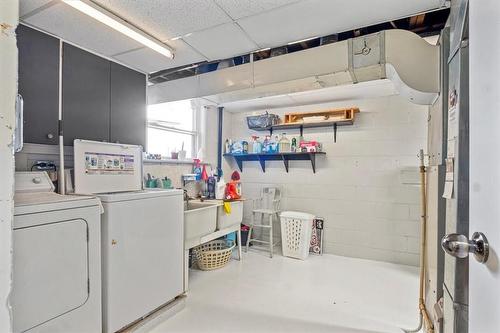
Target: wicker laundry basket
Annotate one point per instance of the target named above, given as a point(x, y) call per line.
point(214, 254)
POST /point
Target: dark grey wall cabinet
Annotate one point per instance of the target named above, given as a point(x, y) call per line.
point(39, 84)
point(128, 106)
point(86, 96)
point(102, 100)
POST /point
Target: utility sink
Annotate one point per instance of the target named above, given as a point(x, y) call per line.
point(200, 219)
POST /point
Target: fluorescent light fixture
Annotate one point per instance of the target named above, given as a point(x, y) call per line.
point(302, 40)
point(100, 14)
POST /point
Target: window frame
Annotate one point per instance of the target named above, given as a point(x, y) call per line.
point(195, 133)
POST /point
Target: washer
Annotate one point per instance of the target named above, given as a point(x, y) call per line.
point(56, 259)
point(142, 232)
point(142, 252)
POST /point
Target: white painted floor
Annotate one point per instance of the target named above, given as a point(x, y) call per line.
point(322, 294)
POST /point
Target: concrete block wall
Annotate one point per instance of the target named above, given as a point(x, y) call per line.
point(359, 188)
point(9, 14)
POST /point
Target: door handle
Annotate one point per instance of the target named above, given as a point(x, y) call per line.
point(459, 246)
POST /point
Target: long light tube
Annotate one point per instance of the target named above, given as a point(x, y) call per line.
point(100, 14)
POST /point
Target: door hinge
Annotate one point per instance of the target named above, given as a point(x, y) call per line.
point(88, 286)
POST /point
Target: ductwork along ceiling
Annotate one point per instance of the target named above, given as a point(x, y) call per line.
point(411, 63)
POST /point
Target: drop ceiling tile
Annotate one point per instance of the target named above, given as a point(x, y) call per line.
point(27, 6)
point(242, 8)
point(82, 30)
point(311, 18)
point(223, 41)
point(150, 61)
point(166, 19)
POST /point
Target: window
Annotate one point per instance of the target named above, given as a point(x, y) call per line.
point(171, 127)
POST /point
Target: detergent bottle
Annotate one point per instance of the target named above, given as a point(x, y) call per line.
point(197, 168)
point(256, 145)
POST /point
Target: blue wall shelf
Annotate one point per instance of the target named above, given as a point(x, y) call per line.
point(285, 157)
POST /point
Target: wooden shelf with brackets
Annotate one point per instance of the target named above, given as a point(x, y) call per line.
point(327, 118)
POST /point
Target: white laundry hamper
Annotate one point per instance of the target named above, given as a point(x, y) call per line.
point(296, 228)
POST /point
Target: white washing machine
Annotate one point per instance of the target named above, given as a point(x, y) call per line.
point(142, 232)
point(56, 259)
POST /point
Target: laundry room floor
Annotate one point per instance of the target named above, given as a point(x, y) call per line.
point(321, 294)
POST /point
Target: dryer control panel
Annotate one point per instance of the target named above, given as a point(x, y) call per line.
point(33, 182)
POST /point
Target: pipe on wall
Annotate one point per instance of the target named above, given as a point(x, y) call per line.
point(220, 120)
point(61, 176)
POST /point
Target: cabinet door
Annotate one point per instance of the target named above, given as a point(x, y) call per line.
point(39, 84)
point(86, 96)
point(128, 106)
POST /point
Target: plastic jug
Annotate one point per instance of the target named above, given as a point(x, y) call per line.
point(220, 189)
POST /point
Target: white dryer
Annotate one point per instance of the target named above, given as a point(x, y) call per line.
point(56, 265)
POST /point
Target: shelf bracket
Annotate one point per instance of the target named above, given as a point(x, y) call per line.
point(312, 157)
point(285, 162)
point(301, 131)
point(240, 164)
point(335, 132)
point(262, 162)
point(271, 131)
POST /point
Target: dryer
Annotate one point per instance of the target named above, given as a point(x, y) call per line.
point(56, 259)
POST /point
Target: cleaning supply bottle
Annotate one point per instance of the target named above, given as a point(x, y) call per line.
point(284, 144)
point(211, 187)
point(197, 168)
point(266, 144)
point(257, 145)
point(294, 145)
point(227, 146)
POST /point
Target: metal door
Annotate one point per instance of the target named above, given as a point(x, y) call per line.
point(472, 277)
point(484, 215)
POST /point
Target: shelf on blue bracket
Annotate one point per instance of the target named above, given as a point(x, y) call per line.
point(285, 157)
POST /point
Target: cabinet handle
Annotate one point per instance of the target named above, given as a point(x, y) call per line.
point(50, 136)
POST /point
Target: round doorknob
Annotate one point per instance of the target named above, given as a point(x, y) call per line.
point(459, 246)
point(50, 136)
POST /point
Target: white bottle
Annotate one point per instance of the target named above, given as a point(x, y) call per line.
point(220, 189)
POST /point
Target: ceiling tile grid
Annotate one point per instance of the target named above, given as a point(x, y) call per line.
point(217, 29)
